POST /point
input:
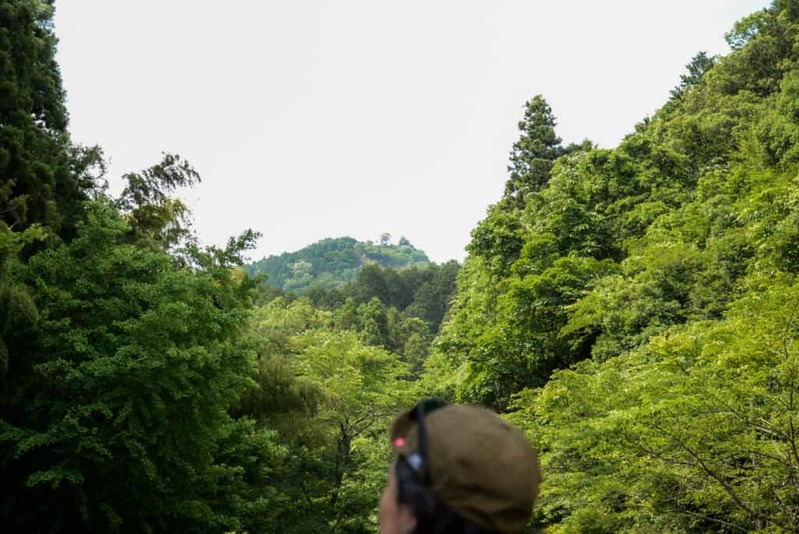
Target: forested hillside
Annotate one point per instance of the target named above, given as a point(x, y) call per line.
point(632, 309)
point(121, 339)
point(147, 383)
point(331, 263)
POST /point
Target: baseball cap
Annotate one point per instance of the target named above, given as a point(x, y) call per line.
point(474, 462)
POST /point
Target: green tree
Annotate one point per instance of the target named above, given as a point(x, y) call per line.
point(114, 419)
point(155, 217)
point(373, 323)
point(699, 65)
point(364, 388)
point(330, 397)
point(43, 181)
point(533, 154)
point(433, 297)
point(695, 431)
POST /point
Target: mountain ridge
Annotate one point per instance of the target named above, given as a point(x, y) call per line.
point(334, 261)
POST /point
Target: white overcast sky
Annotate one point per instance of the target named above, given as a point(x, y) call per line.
point(318, 118)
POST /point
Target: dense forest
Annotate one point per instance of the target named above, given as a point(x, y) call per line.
point(632, 309)
point(331, 263)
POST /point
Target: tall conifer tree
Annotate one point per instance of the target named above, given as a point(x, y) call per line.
point(38, 179)
point(533, 154)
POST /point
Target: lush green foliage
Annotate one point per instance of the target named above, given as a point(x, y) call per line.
point(636, 312)
point(330, 396)
point(331, 263)
point(693, 432)
point(424, 292)
point(122, 342)
point(632, 309)
point(45, 180)
point(140, 389)
point(131, 366)
point(399, 310)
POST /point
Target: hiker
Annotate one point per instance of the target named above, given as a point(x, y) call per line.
point(458, 469)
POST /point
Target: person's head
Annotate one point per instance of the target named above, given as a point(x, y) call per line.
point(459, 469)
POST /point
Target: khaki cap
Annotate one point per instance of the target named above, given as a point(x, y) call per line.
point(477, 464)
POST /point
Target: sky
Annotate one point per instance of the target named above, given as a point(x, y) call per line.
point(309, 119)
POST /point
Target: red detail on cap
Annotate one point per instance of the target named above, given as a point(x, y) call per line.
point(399, 443)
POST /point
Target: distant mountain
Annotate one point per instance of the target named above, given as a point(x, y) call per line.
point(333, 262)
